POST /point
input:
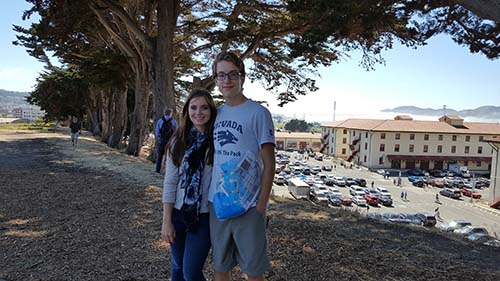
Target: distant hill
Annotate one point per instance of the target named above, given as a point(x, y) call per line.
point(13, 99)
point(488, 112)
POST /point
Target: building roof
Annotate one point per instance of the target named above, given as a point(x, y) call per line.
point(416, 126)
point(492, 140)
point(297, 135)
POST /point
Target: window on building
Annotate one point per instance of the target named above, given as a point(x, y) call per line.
point(440, 149)
point(411, 148)
point(454, 138)
point(440, 137)
point(398, 136)
point(382, 147)
point(366, 145)
point(426, 137)
point(466, 163)
point(467, 148)
point(453, 149)
point(478, 163)
point(333, 139)
point(345, 131)
point(344, 140)
point(396, 147)
point(381, 160)
point(467, 138)
point(364, 159)
point(481, 138)
point(412, 136)
point(479, 150)
point(382, 136)
point(343, 151)
point(426, 148)
point(353, 133)
point(366, 135)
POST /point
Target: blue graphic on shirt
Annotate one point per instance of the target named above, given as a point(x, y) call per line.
point(229, 201)
point(225, 137)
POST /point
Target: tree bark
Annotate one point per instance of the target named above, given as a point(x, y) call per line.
point(106, 114)
point(139, 116)
point(163, 63)
point(119, 118)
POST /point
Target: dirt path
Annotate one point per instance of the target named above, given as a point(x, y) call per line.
point(92, 213)
point(65, 215)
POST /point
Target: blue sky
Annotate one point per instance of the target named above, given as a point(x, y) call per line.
point(440, 73)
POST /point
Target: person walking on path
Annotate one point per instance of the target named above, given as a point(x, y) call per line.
point(164, 129)
point(76, 129)
point(406, 194)
point(188, 172)
point(242, 177)
point(402, 195)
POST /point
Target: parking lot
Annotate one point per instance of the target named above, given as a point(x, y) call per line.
point(418, 199)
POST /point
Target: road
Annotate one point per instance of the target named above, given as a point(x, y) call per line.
point(418, 199)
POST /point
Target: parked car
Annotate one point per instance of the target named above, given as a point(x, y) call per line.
point(470, 229)
point(383, 191)
point(319, 196)
point(372, 191)
point(385, 200)
point(478, 237)
point(436, 182)
point(329, 181)
point(334, 200)
point(319, 157)
point(327, 168)
point(339, 181)
point(450, 227)
point(371, 199)
point(423, 219)
point(416, 172)
point(358, 200)
point(414, 178)
point(418, 183)
point(450, 192)
point(335, 192)
point(279, 180)
point(469, 193)
point(354, 189)
point(350, 181)
point(315, 170)
point(360, 181)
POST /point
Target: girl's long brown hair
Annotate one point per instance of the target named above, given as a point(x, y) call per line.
point(178, 143)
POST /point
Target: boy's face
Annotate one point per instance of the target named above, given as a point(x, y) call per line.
point(230, 88)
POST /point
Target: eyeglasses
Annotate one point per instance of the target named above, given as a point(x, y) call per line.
point(221, 76)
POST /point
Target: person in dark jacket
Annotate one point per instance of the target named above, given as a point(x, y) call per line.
point(76, 128)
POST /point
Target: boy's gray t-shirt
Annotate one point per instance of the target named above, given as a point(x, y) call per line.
point(239, 133)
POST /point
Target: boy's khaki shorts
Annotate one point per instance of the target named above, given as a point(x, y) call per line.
point(241, 240)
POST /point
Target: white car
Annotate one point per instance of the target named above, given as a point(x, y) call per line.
point(450, 227)
point(335, 192)
point(353, 189)
point(383, 191)
point(468, 230)
point(339, 181)
point(320, 196)
point(358, 200)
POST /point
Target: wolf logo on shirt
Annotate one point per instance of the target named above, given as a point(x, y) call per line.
point(225, 137)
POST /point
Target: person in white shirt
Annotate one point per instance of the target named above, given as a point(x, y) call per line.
point(188, 171)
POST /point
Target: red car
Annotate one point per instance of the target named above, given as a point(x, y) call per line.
point(371, 199)
point(468, 192)
point(346, 201)
point(436, 182)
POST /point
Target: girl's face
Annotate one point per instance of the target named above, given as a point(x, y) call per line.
point(199, 113)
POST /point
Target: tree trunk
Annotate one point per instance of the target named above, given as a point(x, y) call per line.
point(119, 118)
point(163, 63)
point(93, 112)
point(139, 119)
point(106, 114)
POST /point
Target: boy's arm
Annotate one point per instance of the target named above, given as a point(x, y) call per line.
point(268, 159)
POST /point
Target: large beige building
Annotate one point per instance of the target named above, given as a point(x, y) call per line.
point(404, 143)
point(297, 141)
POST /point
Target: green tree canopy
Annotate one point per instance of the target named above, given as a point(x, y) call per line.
point(296, 125)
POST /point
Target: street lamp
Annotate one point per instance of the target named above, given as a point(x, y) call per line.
point(473, 186)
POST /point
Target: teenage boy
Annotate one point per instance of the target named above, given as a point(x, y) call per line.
point(242, 175)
